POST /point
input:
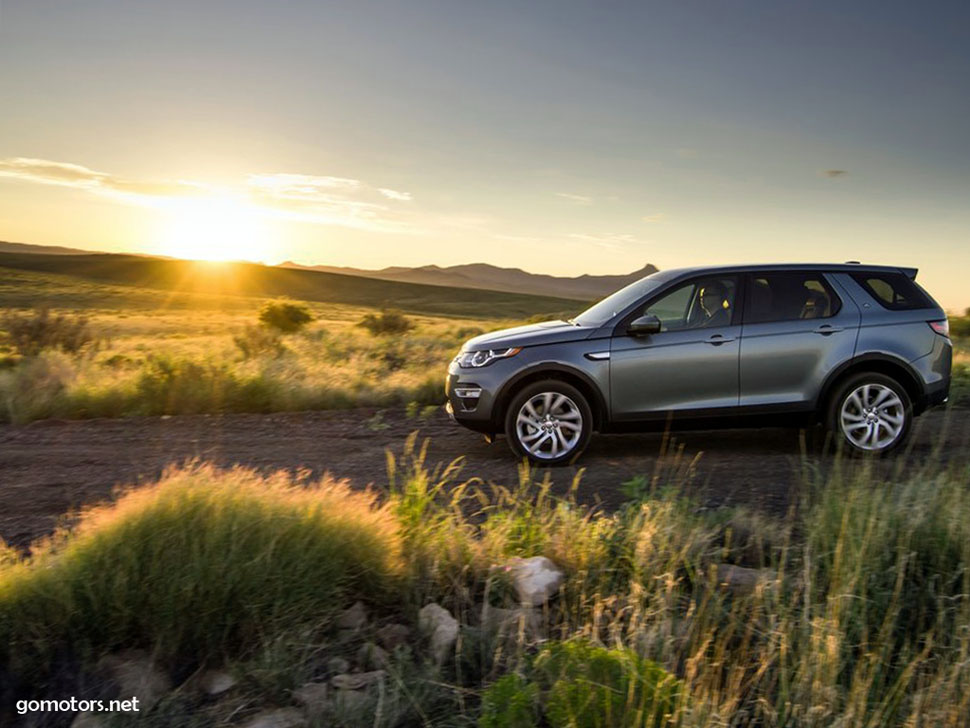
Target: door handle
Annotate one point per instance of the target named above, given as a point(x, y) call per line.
point(718, 339)
point(826, 329)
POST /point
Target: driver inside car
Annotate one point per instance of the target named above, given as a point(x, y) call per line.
point(715, 306)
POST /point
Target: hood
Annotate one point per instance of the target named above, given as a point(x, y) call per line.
point(548, 332)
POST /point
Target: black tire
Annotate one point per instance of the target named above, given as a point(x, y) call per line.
point(836, 421)
point(560, 426)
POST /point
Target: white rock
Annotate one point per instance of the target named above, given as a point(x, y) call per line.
point(536, 579)
point(393, 635)
point(437, 622)
point(281, 718)
point(357, 680)
point(371, 656)
point(351, 701)
point(137, 676)
point(354, 618)
point(313, 697)
point(216, 682)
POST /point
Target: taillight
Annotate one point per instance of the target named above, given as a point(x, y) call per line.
point(940, 327)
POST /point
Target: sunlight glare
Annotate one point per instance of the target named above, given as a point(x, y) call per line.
point(214, 229)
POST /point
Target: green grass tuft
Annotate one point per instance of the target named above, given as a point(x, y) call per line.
point(204, 563)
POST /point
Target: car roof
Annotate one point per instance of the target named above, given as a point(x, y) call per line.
point(671, 273)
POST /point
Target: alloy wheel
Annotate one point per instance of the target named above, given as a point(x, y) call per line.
point(872, 417)
point(549, 425)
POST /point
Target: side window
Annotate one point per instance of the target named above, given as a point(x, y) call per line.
point(789, 297)
point(893, 290)
point(701, 303)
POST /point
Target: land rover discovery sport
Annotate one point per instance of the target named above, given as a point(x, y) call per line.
point(860, 349)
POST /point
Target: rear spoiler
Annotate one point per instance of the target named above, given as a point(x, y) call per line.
point(909, 272)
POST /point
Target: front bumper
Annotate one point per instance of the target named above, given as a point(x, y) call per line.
point(471, 396)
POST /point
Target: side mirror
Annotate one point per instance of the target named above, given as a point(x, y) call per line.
point(644, 326)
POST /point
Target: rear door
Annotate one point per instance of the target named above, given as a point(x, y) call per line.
point(691, 364)
point(796, 330)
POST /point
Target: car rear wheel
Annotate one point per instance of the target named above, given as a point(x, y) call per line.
point(549, 422)
point(871, 414)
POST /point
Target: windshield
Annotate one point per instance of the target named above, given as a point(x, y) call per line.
point(600, 313)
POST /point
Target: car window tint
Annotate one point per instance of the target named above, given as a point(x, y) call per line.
point(893, 291)
point(789, 297)
point(702, 303)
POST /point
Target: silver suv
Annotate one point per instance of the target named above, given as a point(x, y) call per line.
point(861, 349)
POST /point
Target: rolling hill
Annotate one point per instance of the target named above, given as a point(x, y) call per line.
point(254, 280)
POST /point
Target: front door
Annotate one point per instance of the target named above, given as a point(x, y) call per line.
point(691, 364)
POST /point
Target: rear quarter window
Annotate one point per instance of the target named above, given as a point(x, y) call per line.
point(893, 291)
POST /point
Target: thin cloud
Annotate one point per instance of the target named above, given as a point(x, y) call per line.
point(65, 174)
point(328, 201)
point(575, 199)
point(319, 199)
point(656, 217)
point(835, 173)
point(395, 195)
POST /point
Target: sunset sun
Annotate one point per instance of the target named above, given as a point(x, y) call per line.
point(214, 229)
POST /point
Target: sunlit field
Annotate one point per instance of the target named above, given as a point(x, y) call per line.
point(158, 353)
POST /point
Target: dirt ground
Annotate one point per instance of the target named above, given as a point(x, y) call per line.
point(48, 468)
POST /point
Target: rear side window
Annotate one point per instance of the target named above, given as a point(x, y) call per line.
point(789, 297)
point(893, 291)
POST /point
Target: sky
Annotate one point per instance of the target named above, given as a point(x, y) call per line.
point(559, 137)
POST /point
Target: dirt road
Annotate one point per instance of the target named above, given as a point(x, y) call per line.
point(49, 467)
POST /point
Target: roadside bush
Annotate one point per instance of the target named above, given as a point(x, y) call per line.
point(37, 387)
point(31, 332)
point(387, 322)
point(510, 702)
point(584, 686)
point(204, 563)
point(254, 341)
point(285, 317)
point(960, 325)
point(172, 386)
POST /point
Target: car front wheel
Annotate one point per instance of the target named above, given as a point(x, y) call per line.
point(871, 414)
point(548, 422)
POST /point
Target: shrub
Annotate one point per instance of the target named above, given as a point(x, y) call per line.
point(170, 386)
point(510, 702)
point(960, 325)
point(468, 332)
point(31, 332)
point(203, 563)
point(387, 322)
point(254, 341)
point(580, 685)
point(37, 387)
point(285, 317)
point(595, 687)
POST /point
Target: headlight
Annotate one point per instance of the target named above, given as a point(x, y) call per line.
point(475, 359)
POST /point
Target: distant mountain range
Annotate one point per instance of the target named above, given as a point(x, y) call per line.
point(493, 278)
